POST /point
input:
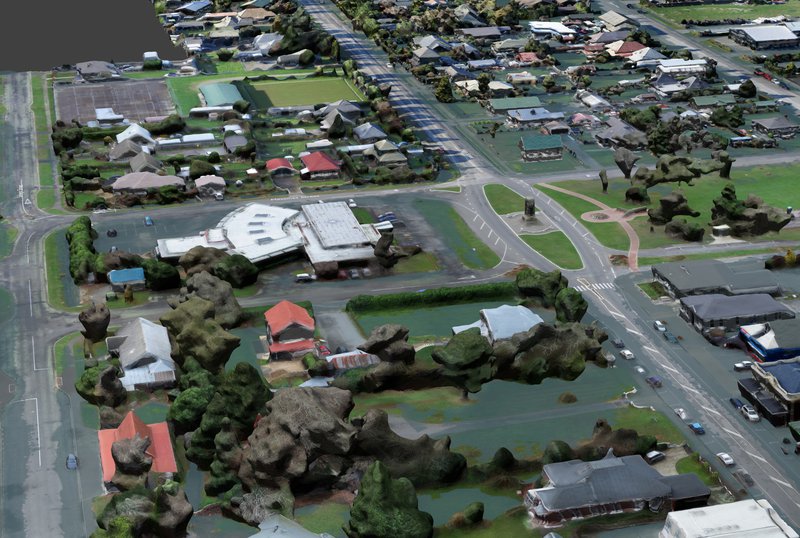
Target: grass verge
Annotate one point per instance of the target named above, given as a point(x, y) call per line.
point(503, 200)
point(449, 189)
point(8, 234)
point(423, 262)
point(709, 255)
point(363, 215)
point(55, 291)
point(692, 464)
point(647, 422)
point(556, 247)
point(60, 350)
point(654, 290)
point(472, 252)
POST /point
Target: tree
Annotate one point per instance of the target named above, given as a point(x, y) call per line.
point(747, 89)
point(201, 168)
point(160, 275)
point(335, 50)
point(467, 360)
point(186, 412)
point(604, 180)
point(224, 55)
point(570, 305)
point(661, 141)
point(548, 82)
point(791, 258)
point(306, 57)
point(241, 106)
point(483, 83)
point(444, 90)
point(731, 118)
point(237, 270)
point(625, 160)
point(128, 294)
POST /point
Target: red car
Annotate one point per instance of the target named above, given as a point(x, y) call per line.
point(323, 350)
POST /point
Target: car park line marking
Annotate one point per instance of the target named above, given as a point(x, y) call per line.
point(634, 331)
point(756, 456)
point(781, 482)
point(482, 225)
point(712, 410)
point(732, 432)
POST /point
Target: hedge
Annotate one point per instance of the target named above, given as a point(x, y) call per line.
point(432, 297)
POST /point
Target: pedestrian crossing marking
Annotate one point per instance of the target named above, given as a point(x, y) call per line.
point(596, 286)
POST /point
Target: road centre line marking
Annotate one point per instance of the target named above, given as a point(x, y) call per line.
point(712, 410)
point(756, 456)
point(634, 331)
point(732, 432)
point(670, 368)
point(691, 389)
point(781, 482)
point(650, 349)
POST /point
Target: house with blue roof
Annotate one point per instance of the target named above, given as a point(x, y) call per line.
point(133, 277)
point(780, 380)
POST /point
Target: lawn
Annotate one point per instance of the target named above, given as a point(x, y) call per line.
point(310, 91)
point(62, 351)
point(714, 254)
point(647, 422)
point(139, 298)
point(455, 189)
point(472, 252)
point(418, 263)
point(556, 247)
point(363, 215)
point(691, 464)
point(728, 11)
point(7, 236)
point(654, 290)
point(609, 234)
point(503, 200)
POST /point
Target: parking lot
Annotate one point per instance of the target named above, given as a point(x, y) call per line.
point(135, 100)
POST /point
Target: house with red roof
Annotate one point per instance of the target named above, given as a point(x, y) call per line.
point(290, 331)
point(280, 167)
point(319, 165)
point(160, 448)
point(624, 48)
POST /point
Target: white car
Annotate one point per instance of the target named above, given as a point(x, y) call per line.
point(626, 354)
point(750, 413)
point(352, 203)
point(659, 326)
point(640, 370)
point(726, 459)
point(681, 412)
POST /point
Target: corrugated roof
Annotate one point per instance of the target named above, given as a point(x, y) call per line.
point(121, 276)
point(690, 276)
point(160, 444)
point(319, 162)
point(512, 103)
point(278, 163)
point(767, 33)
point(286, 313)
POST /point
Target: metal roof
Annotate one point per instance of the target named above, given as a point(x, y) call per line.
point(120, 276)
point(534, 142)
point(512, 103)
point(220, 93)
point(690, 277)
point(748, 518)
point(786, 373)
point(715, 306)
point(767, 33)
point(335, 225)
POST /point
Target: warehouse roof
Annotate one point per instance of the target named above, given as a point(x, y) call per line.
point(767, 33)
point(690, 277)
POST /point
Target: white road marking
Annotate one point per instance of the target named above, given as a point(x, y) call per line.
point(781, 482)
point(670, 368)
point(30, 296)
point(38, 430)
point(712, 410)
point(735, 433)
point(496, 241)
point(756, 456)
point(650, 349)
point(634, 331)
point(691, 389)
point(482, 225)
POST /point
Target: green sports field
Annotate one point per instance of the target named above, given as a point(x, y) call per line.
point(310, 91)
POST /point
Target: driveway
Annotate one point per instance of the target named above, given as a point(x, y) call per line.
point(338, 329)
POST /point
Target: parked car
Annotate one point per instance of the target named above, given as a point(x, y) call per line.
point(659, 326)
point(681, 412)
point(726, 459)
point(72, 461)
point(640, 370)
point(742, 366)
point(352, 203)
point(303, 277)
point(736, 402)
point(111, 233)
point(627, 354)
point(324, 350)
point(750, 413)
point(697, 428)
point(354, 273)
point(654, 456)
point(148, 221)
point(654, 381)
point(669, 337)
point(618, 343)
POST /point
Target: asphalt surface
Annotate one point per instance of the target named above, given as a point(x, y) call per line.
point(42, 423)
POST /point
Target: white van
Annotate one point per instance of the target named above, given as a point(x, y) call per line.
point(303, 277)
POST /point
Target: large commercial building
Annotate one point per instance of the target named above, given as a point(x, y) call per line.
point(326, 232)
point(770, 36)
point(749, 518)
point(774, 390)
point(700, 277)
point(731, 312)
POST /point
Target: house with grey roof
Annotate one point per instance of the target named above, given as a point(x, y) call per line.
point(424, 56)
point(329, 120)
point(234, 142)
point(767, 36)
point(621, 134)
point(137, 133)
point(124, 150)
point(578, 489)
point(144, 162)
point(503, 322)
point(432, 42)
point(97, 70)
point(369, 132)
point(731, 311)
point(779, 126)
point(529, 117)
point(349, 110)
point(467, 16)
point(700, 277)
point(145, 354)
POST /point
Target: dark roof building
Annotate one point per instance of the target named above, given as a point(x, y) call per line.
point(700, 277)
point(777, 126)
point(621, 134)
point(730, 312)
point(774, 390)
point(541, 147)
point(772, 341)
point(144, 162)
point(578, 489)
point(234, 142)
point(774, 36)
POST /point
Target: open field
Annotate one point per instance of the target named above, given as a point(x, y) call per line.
point(727, 11)
point(310, 91)
point(713, 254)
point(556, 247)
point(472, 252)
point(135, 100)
point(503, 200)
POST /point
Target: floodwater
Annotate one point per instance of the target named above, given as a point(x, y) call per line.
point(57, 32)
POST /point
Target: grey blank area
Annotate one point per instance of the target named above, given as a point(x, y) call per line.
point(48, 33)
point(136, 100)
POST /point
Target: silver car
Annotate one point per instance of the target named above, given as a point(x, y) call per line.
point(750, 413)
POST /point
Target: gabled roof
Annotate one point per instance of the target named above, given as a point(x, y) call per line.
point(160, 448)
point(425, 52)
point(220, 94)
point(124, 149)
point(344, 106)
point(134, 130)
point(278, 163)
point(143, 337)
point(778, 122)
point(610, 37)
point(715, 306)
point(285, 314)
point(205, 181)
point(612, 18)
point(234, 141)
point(511, 103)
point(144, 162)
point(368, 131)
point(628, 47)
point(432, 42)
point(647, 53)
point(330, 118)
point(255, 13)
point(146, 180)
point(320, 162)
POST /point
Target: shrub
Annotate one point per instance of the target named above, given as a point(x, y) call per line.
point(152, 65)
point(306, 57)
point(79, 170)
point(83, 259)
point(431, 297)
point(201, 168)
point(214, 158)
point(160, 275)
point(241, 106)
point(567, 398)
point(170, 125)
point(224, 55)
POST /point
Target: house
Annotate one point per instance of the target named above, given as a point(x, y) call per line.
point(432, 42)
point(731, 311)
point(578, 489)
point(741, 519)
point(386, 153)
point(96, 70)
point(773, 340)
point(712, 101)
point(348, 109)
point(466, 15)
point(210, 185)
point(319, 165)
point(193, 9)
point(120, 278)
point(265, 42)
point(613, 21)
point(646, 54)
point(503, 105)
point(768, 36)
point(234, 142)
point(528, 58)
point(424, 56)
point(481, 65)
point(521, 78)
point(136, 133)
point(546, 30)
point(220, 94)
point(290, 331)
point(160, 448)
point(488, 32)
point(351, 359)
point(256, 14)
point(503, 322)
point(144, 162)
point(774, 390)
point(330, 119)
point(605, 38)
point(280, 167)
point(592, 100)
point(581, 119)
point(535, 148)
point(624, 49)
point(456, 73)
point(188, 27)
point(140, 182)
point(144, 352)
point(278, 526)
point(779, 126)
point(527, 117)
point(369, 132)
point(700, 277)
point(124, 150)
point(555, 128)
point(507, 45)
point(678, 67)
point(666, 85)
point(621, 134)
